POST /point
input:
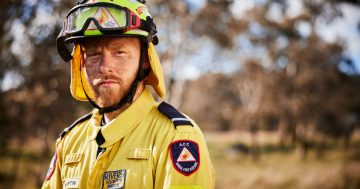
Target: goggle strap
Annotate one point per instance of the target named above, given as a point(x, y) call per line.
point(135, 21)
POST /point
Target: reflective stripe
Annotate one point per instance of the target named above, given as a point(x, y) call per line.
point(179, 119)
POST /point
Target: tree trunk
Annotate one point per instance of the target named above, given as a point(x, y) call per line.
point(302, 143)
point(254, 147)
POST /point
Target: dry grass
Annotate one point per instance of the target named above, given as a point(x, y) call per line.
point(273, 170)
point(336, 169)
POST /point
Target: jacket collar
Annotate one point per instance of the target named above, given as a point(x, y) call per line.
point(127, 120)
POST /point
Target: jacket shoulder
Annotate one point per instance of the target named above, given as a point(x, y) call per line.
point(174, 115)
point(80, 120)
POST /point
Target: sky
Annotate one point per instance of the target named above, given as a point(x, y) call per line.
point(346, 29)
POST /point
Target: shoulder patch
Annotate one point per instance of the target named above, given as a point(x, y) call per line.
point(185, 156)
point(172, 113)
point(81, 119)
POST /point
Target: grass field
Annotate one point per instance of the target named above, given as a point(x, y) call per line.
point(274, 169)
point(281, 169)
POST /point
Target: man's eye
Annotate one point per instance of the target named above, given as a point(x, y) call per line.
point(118, 53)
point(92, 55)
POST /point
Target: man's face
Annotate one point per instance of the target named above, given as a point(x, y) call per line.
point(111, 65)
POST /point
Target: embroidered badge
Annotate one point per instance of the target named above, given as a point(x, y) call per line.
point(185, 156)
point(114, 179)
point(51, 167)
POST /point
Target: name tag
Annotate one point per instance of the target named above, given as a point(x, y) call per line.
point(73, 158)
point(71, 183)
point(139, 153)
point(114, 179)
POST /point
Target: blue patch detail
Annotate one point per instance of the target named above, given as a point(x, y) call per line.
point(185, 156)
point(172, 113)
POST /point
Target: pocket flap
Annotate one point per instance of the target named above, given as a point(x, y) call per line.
point(73, 158)
point(138, 153)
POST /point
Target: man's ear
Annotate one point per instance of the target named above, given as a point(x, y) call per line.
point(146, 62)
point(147, 66)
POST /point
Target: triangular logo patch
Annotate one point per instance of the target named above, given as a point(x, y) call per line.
point(104, 18)
point(186, 156)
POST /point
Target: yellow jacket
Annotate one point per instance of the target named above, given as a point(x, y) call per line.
point(149, 145)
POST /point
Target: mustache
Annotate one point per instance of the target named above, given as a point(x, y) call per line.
point(104, 78)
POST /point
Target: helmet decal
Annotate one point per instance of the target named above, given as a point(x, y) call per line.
point(105, 18)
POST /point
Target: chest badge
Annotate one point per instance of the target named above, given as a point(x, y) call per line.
point(114, 179)
point(185, 156)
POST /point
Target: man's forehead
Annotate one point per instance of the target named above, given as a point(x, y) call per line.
point(109, 41)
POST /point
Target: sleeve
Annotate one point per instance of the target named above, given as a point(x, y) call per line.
point(53, 177)
point(185, 163)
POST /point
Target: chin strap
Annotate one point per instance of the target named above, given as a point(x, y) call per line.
point(128, 98)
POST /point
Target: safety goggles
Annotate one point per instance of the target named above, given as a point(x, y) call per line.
point(105, 17)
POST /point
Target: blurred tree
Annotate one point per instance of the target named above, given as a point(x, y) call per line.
point(296, 77)
point(35, 102)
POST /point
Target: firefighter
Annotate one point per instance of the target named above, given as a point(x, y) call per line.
point(129, 140)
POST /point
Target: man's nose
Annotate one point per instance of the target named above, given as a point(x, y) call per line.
point(105, 63)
